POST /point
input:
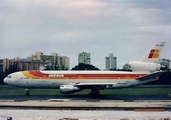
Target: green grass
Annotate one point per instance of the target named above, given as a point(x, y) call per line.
point(125, 91)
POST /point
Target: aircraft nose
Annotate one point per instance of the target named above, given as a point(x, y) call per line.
point(5, 80)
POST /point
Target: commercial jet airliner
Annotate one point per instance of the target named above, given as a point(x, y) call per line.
point(146, 70)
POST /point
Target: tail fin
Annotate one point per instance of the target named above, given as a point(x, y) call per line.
point(154, 53)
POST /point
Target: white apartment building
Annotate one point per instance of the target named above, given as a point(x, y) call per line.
point(84, 58)
point(111, 62)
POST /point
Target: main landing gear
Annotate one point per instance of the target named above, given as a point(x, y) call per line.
point(94, 92)
point(27, 92)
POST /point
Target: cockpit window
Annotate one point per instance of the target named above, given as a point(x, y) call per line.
point(9, 76)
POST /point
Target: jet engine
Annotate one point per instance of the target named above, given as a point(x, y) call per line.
point(145, 66)
point(68, 89)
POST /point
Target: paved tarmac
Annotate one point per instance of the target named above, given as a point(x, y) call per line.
point(86, 97)
point(83, 102)
point(82, 115)
point(43, 110)
point(141, 107)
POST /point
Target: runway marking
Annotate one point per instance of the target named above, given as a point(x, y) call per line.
point(149, 110)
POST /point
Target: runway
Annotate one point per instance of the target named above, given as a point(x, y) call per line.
point(82, 115)
point(84, 102)
point(86, 97)
point(84, 107)
point(79, 109)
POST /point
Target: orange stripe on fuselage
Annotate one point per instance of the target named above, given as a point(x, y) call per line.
point(28, 75)
point(35, 74)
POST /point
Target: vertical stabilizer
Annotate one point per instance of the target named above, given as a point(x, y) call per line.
point(154, 53)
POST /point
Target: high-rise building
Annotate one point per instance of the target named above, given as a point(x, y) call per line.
point(19, 64)
point(53, 60)
point(111, 62)
point(45, 58)
point(27, 64)
point(5, 63)
point(84, 58)
point(63, 62)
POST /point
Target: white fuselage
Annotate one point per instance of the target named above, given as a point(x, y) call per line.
point(54, 79)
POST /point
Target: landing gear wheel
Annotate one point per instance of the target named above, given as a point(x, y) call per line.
point(94, 92)
point(27, 94)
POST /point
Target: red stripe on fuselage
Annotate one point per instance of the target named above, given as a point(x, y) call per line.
point(85, 75)
point(102, 75)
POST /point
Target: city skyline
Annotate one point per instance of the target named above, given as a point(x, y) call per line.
point(36, 61)
point(126, 28)
point(50, 58)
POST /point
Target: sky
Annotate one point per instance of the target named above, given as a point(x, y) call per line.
point(126, 28)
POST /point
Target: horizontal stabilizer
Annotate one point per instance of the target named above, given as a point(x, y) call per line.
point(154, 76)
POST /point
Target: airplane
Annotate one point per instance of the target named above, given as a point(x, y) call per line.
point(146, 70)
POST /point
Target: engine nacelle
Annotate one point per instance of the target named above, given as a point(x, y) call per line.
point(145, 66)
point(68, 89)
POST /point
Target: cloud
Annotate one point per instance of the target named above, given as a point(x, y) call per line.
point(19, 11)
point(145, 16)
point(72, 26)
point(165, 30)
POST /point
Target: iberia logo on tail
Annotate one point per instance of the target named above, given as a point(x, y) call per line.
point(154, 53)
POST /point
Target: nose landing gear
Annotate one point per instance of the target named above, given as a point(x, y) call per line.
point(27, 92)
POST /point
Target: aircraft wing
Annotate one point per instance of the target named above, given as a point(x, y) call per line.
point(103, 85)
point(144, 79)
point(95, 86)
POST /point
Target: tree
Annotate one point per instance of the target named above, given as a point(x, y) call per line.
point(13, 67)
point(82, 66)
point(2, 76)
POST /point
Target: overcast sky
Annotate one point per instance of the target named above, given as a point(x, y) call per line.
point(126, 28)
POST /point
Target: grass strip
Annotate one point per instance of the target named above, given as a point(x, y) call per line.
point(125, 91)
